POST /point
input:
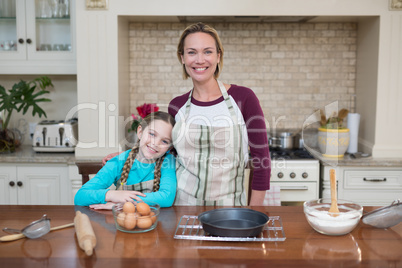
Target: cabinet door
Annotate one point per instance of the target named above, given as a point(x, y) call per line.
point(50, 29)
point(43, 41)
point(12, 30)
point(41, 185)
point(8, 192)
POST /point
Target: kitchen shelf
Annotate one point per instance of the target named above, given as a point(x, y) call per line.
point(190, 228)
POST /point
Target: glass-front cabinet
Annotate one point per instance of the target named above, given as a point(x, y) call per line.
point(37, 37)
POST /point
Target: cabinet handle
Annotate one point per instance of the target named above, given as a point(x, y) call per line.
point(294, 187)
point(11, 183)
point(21, 41)
point(29, 41)
point(375, 180)
point(19, 183)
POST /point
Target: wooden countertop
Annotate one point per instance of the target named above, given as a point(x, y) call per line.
point(365, 246)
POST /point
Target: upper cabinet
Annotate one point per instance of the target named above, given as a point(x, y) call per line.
point(37, 37)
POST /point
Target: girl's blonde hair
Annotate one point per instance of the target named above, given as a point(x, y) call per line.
point(200, 28)
point(134, 151)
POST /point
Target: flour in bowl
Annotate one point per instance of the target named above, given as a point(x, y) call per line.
point(324, 223)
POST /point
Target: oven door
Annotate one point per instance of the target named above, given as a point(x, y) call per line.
point(297, 191)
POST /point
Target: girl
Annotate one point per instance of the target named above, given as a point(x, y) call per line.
point(146, 172)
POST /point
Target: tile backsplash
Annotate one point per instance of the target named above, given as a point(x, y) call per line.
point(294, 68)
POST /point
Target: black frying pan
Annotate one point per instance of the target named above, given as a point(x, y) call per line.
point(233, 222)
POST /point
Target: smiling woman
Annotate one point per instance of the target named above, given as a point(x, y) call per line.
point(216, 121)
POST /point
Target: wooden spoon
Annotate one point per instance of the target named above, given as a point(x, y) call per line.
point(333, 210)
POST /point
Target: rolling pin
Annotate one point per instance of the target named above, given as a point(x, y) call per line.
point(85, 234)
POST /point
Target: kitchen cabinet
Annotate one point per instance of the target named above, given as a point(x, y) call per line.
point(368, 186)
point(35, 184)
point(36, 41)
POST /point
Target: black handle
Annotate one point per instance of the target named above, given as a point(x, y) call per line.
point(11, 183)
point(21, 41)
point(29, 41)
point(385, 179)
point(19, 183)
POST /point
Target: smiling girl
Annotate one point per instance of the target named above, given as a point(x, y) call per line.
point(146, 172)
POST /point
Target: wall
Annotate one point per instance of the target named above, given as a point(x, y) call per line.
point(294, 68)
point(63, 96)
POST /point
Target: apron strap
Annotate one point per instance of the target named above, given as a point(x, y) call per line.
point(225, 97)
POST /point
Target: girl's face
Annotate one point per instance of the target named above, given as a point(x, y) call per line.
point(155, 140)
point(200, 56)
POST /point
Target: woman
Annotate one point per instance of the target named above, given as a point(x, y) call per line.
point(215, 125)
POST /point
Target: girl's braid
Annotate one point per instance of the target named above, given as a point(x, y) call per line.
point(129, 163)
point(157, 173)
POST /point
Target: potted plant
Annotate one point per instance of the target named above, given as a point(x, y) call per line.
point(20, 97)
point(333, 137)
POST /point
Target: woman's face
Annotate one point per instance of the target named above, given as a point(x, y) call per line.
point(200, 56)
point(155, 140)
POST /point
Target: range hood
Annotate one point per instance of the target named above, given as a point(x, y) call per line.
point(256, 19)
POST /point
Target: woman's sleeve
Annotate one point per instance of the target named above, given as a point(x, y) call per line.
point(258, 142)
point(168, 184)
point(94, 191)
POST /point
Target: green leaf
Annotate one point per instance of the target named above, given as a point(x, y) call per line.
point(24, 95)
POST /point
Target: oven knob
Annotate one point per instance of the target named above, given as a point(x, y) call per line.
point(280, 175)
point(305, 175)
point(292, 175)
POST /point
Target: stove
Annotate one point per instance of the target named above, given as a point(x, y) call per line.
point(297, 173)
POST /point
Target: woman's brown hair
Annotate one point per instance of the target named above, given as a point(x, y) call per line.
point(201, 28)
point(133, 153)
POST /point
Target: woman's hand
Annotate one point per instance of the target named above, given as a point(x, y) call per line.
point(117, 196)
point(257, 198)
point(108, 157)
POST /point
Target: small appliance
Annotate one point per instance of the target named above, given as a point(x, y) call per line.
point(56, 136)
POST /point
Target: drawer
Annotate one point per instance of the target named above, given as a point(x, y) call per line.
point(373, 180)
point(298, 191)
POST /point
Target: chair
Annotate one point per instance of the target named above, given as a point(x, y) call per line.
point(86, 168)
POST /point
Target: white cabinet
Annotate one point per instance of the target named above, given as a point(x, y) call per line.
point(368, 186)
point(33, 42)
point(39, 184)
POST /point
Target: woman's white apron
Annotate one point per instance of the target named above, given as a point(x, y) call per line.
point(210, 162)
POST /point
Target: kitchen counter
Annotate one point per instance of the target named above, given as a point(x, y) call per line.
point(25, 154)
point(349, 160)
point(365, 246)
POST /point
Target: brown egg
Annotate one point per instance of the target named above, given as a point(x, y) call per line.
point(144, 222)
point(130, 221)
point(129, 207)
point(153, 217)
point(120, 219)
point(143, 209)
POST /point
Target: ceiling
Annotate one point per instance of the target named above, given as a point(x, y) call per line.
point(245, 19)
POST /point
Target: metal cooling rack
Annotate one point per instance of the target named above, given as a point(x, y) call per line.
point(190, 228)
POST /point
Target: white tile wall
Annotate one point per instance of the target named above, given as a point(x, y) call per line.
point(294, 68)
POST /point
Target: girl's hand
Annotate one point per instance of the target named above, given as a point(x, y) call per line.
point(118, 196)
point(107, 206)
